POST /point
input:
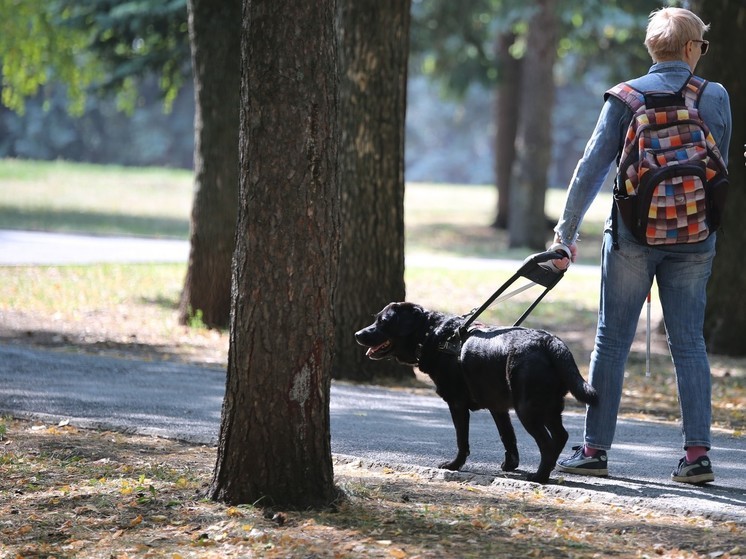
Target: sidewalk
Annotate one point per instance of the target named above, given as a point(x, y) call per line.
point(27, 248)
point(392, 428)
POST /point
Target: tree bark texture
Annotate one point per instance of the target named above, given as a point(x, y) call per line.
point(725, 319)
point(508, 101)
point(374, 45)
point(527, 224)
point(274, 445)
point(214, 34)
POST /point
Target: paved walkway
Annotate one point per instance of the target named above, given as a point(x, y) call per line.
point(386, 427)
point(36, 248)
point(26, 248)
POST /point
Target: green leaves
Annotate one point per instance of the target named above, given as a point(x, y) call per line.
point(36, 48)
point(91, 45)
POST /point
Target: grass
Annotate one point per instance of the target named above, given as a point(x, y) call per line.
point(155, 202)
point(105, 200)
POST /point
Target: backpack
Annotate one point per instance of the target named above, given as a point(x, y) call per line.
point(671, 180)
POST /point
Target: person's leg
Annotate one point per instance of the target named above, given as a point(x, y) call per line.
point(626, 277)
point(682, 281)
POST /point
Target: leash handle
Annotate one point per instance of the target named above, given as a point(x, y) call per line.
point(533, 269)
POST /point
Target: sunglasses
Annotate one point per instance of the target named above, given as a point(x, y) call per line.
point(704, 46)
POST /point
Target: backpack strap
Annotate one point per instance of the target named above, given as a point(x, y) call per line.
point(693, 89)
point(628, 95)
point(634, 99)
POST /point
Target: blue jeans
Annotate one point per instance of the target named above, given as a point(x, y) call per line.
point(627, 274)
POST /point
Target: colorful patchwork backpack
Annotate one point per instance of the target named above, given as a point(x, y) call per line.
point(671, 180)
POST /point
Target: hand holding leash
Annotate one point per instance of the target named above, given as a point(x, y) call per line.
point(561, 264)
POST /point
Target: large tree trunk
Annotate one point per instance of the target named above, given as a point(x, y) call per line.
point(507, 101)
point(274, 445)
point(725, 320)
point(527, 223)
point(214, 34)
point(373, 45)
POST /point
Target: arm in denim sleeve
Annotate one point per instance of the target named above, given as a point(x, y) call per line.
point(600, 153)
point(714, 108)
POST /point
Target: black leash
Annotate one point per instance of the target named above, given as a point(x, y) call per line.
point(536, 268)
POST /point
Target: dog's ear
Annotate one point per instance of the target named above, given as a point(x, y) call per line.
point(410, 318)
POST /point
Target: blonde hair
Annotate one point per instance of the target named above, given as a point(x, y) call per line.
point(669, 29)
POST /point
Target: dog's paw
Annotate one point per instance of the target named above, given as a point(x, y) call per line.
point(454, 465)
point(510, 463)
point(538, 478)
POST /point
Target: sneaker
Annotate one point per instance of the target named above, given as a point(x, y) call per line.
point(578, 463)
point(699, 471)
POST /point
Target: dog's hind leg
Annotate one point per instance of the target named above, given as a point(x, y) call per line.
point(557, 431)
point(460, 417)
point(507, 436)
point(533, 420)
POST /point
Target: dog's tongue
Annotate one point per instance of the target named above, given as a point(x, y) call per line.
point(372, 350)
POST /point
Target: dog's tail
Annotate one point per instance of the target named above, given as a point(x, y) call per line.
point(568, 370)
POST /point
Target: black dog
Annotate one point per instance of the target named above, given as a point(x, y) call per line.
point(491, 368)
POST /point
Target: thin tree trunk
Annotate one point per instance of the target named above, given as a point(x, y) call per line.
point(527, 221)
point(374, 45)
point(274, 445)
point(508, 97)
point(214, 34)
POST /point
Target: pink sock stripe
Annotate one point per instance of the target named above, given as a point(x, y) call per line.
point(693, 453)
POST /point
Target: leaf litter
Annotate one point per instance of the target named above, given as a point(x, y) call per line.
point(74, 493)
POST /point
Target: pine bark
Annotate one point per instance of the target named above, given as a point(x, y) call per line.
point(725, 319)
point(527, 224)
point(374, 46)
point(508, 96)
point(214, 35)
point(274, 445)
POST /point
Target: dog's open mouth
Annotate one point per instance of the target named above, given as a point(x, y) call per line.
point(378, 351)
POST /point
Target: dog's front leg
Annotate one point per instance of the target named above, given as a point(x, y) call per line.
point(507, 436)
point(460, 417)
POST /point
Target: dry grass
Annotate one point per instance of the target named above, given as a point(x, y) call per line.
point(68, 492)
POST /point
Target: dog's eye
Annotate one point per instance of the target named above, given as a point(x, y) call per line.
point(386, 319)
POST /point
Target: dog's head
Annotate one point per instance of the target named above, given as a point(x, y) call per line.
point(394, 333)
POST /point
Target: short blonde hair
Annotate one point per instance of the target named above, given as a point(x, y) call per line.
point(669, 29)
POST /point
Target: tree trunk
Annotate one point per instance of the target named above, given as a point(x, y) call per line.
point(214, 34)
point(527, 224)
point(274, 445)
point(508, 96)
point(725, 320)
point(374, 45)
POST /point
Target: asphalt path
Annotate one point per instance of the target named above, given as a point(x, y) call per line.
point(382, 427)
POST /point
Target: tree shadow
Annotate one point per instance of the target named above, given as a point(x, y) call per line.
point(93, 223)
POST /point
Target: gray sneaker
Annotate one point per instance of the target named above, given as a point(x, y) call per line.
point(578, 463)
point(698, 472)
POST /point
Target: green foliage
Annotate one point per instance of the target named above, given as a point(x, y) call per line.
point(196, 319)
point(37, 48)
point(107, 45)
point(454, 42)
point(133, 38)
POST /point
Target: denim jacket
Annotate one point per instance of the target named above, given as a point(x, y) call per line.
point(608, 137)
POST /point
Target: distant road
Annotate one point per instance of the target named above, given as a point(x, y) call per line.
point(26, 248)
point(29, 248)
